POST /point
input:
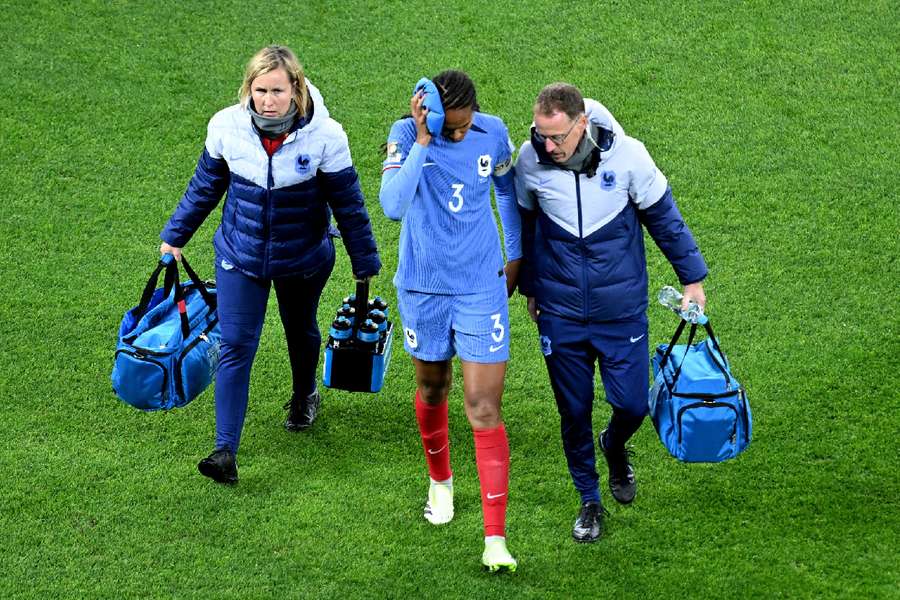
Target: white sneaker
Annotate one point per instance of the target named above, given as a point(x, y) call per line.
point(439, 507)
point(496, 557)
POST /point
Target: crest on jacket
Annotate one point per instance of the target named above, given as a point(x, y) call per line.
point(303, 163)
point(607, 180)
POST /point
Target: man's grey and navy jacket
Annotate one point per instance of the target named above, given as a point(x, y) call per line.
point(582, 239)
point(276, 217)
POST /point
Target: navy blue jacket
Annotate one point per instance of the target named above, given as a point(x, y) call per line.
point(582, 236)
point(277, 213)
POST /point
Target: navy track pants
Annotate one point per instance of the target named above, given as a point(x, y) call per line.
point(571, 349)
point(242, 309)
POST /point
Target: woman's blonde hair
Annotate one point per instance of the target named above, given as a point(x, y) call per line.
point(267, 60)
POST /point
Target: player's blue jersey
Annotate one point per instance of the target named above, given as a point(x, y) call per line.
point(448, 241)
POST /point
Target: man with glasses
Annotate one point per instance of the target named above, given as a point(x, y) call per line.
point(584, 189)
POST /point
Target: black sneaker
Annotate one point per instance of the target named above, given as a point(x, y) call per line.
point(220, 466)
point(302, 411)
point(589, 524)
point(621, 472)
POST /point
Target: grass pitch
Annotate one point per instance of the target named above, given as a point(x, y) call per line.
point(777, 126)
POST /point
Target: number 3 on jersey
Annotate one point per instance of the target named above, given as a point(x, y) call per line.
point(457, 194)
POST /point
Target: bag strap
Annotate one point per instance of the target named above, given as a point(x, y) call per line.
point(182, 307)
point(672, 343)
point(712, 336)
point(686, 350)
point(201, 286)
point(167, 262)
point(715, 343)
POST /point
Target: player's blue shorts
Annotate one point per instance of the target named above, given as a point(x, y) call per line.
point(474, 326)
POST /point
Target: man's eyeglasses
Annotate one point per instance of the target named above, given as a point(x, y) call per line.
point(558, 140)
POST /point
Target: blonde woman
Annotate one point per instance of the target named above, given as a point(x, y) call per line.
point(286, 168)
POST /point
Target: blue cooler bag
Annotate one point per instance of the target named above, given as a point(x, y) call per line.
point(699, 409)
point(168, 347)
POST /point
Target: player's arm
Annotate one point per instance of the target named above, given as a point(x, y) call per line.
point(505, 196)
point(404, 162)
point(527, 207)
point(399, 179)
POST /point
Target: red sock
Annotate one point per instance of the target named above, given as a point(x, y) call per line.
point(492, 458)
point(433, 426)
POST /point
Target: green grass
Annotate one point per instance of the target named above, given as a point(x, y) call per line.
point(777, 126)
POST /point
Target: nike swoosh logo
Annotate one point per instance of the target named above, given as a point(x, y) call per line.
point(634, 339)
point(495, 348)
point(491, 496)
point(428, 164)
point(430, 451)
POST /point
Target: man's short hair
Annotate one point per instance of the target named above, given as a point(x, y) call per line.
point(560, 97)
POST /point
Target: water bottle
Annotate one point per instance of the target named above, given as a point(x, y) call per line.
point(348, 312)
point(378, 303)
point(671, 299)
point(378, 317)
point(341, 328)
point(368, 334)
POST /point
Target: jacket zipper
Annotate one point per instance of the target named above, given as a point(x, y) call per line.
point(581, 248)
point(268, 209)
point(142, 352)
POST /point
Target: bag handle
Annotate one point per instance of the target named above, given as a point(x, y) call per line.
point(201, 286)
point(672, 343)
point(181, 304)
point(686, 350)
point(715, 342)
point(167, 262)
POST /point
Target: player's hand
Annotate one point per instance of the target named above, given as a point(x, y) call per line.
point(165, 248)
point(419, 112)
point(532, 309)
point(512, 276)
point(693, 292)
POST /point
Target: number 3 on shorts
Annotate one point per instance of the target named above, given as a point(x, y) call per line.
point(499, 331)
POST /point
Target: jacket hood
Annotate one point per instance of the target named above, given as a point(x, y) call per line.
point(599, 115)
point(320, 111)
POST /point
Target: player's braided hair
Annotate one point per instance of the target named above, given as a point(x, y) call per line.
point(456, 90)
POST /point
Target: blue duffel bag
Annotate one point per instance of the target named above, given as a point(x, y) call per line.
point(168, 345)
point(699, 409)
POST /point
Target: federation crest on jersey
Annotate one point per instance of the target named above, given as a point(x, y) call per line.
point(484, 165)
point(607, 180)
point(303, 163)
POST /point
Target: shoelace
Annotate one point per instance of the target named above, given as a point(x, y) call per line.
point(592, 510)
point(290, 403)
